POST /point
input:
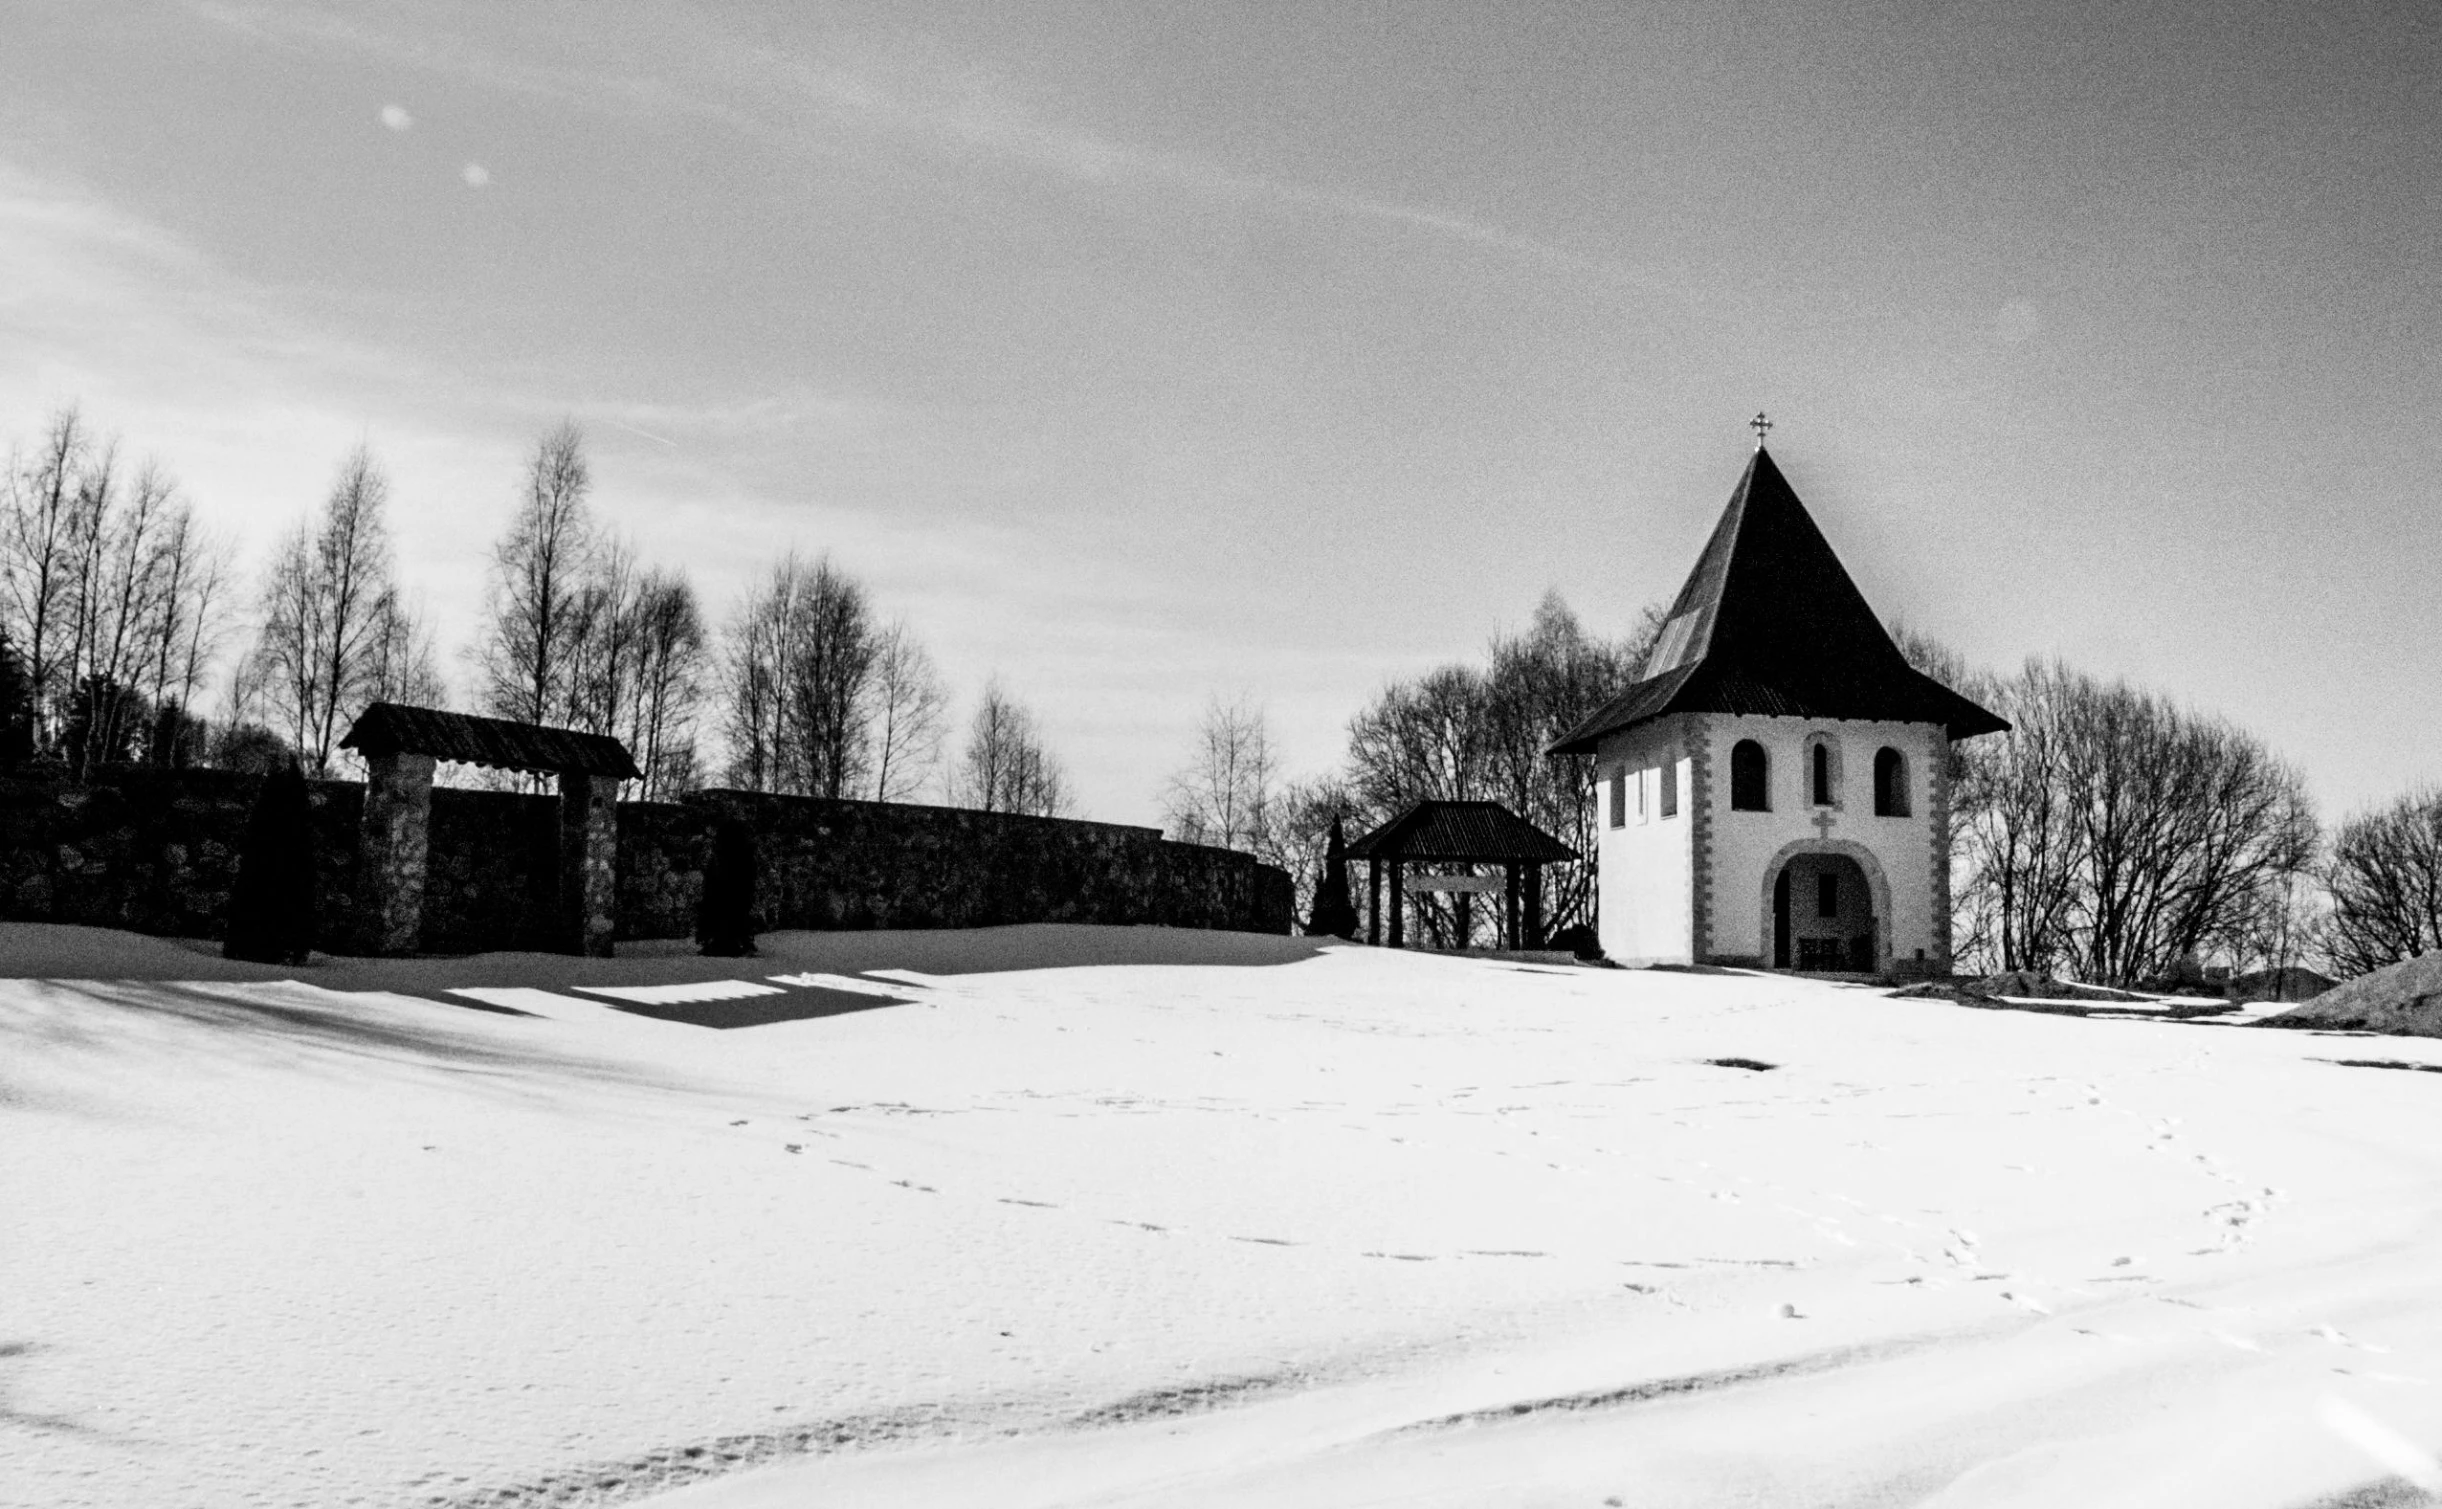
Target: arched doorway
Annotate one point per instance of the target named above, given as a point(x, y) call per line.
point(1823, 915)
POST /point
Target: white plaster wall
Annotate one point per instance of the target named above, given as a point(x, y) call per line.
point(1744, 843)
point(1647, 867)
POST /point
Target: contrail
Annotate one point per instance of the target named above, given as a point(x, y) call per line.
point(647, 434)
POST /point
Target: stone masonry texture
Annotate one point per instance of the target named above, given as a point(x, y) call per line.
point(155, 851)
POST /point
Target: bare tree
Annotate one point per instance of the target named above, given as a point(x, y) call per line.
point(540, 568)
point(802, 653)
point(403, 665)
point(37, 561)
point(1225, 794)
point(602, 646)
point(2384, 878)
point(2111, 834)
point(333, 637)
point(909, 707)
point(669, 683)
point(1300, 829)
point(1004, 766)
point(1460, 734)
point(187, 633)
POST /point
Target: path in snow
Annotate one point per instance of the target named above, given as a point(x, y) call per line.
point(1337, 1228)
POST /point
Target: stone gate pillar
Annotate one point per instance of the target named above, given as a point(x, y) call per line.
point(589, 863)
point(394, 838)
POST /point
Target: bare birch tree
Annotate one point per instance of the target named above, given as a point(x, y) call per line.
point(36, 560)
point(1226, 793)
point(334, 637)
point(1004, 766)
point(669, 684)
point(524, 659)
point(802, 652)
point(909, 705)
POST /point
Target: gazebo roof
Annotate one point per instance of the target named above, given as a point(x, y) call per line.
point(393, 728)
point(1770, 623)
point(1461, 833)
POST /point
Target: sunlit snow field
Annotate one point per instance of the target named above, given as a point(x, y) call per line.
point(1351, 1227)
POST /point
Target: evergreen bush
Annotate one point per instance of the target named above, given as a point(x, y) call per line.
point(1335, 914)
point(16, 707)
point(271, 909)
point(725, 917)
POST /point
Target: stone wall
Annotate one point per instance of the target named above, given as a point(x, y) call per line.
point(842, 864)
point(155, 851)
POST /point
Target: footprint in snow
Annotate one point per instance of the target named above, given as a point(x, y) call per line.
point(2026, 1301)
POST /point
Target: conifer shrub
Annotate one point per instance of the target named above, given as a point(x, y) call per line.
point(16, 707)
point(1334, 914)
point(725, 916)
point(271, 908)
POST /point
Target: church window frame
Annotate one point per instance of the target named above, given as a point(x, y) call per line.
point(1750, 777)
point(1820, 770)
point(1669, 777)
point(1890, 783)
point(1618, 796)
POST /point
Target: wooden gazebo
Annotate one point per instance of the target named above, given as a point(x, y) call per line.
point(1460, 833)
point(401, 744)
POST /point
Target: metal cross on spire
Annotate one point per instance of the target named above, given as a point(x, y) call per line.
point(1759, 424)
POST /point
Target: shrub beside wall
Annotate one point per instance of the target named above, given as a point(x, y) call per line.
point(155, 851)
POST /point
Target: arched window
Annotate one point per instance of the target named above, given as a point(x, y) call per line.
point(1748, 792)
point(1890, 783)
point(1819, 760)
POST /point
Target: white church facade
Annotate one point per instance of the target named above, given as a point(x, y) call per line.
point(1773, 789)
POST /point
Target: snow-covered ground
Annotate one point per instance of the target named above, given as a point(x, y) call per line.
point(1359, 1227)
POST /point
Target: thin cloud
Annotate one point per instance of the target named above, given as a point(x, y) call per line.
point(396, 117)
point(960, 116)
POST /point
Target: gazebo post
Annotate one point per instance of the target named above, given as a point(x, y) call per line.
point(1399, 902)
point(1534, 906)
point(1373, 902)
point(1509, 908)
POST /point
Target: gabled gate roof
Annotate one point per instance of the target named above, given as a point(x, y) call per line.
point(394, 728)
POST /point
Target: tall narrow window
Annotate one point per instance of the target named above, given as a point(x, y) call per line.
point(1619, 797)
point(1820, 758)
point(1827, 895)
point(1890, 783)
point(1747, 773)
point(1669, 776)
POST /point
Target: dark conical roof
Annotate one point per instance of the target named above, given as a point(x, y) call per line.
point(1770, 623)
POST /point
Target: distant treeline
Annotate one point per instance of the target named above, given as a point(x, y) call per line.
point(118, 609)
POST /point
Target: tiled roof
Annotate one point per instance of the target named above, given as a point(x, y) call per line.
point(390, 728)
point(1769, 623)
point(1461, 833)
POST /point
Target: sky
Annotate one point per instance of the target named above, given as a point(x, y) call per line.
point(1143, 353)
